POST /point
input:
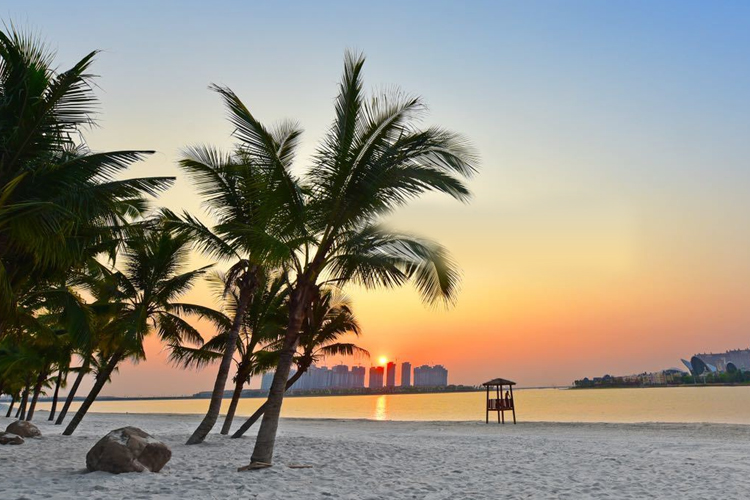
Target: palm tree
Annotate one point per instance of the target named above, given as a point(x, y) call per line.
point(38, 344)
point(87, 347)
point(57, 198)
point(143, 299)
point(373, 160)
point(263, 324)
point(12, 387)
point(330, 317)
point(64, 352)
point(86, 358)
point(13, 372)
point(254, 202)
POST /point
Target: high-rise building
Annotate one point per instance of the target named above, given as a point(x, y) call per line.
point(267, 379)
point(314, 378)
point(405, 374)
point(358, 376)
point(390, 374)
point(341, 377)
point(430, 376)
point(376, 377)
point(440, 374)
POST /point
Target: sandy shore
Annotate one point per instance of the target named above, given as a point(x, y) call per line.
point(357, 459)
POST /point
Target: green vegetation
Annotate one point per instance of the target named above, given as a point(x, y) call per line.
point(89, 267)
point(671, 378)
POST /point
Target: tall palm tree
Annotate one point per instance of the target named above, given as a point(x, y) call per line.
point(143, 298)
point(373, 160)
point(254, 203)
point(57, 198)
point(329, 318)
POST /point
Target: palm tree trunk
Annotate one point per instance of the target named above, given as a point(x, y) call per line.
point(72, 393)
point(21, 414)
point(37, 390)
point(221, 377)
point(20, 407)
point(12, 402)
point(233, 405)
point(54, 396)
point(101, 379)
point(260, 411)
point(263, 450)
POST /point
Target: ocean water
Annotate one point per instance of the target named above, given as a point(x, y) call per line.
point(681, 404)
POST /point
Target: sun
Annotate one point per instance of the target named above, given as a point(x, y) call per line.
point(382, 360)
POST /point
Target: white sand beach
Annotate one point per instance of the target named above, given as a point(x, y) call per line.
point(356, 459)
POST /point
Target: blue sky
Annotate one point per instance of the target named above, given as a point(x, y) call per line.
point(610, 216)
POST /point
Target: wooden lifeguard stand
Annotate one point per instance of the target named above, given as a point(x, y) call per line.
point(499, 403)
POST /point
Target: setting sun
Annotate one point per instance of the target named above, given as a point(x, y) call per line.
point(382, 360)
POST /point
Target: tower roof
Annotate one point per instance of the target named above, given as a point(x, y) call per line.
point(499, 381)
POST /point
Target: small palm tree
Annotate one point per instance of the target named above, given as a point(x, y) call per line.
point(19, 363)
point(44, 315)
point(373, 160)
point(330, 317)
point(142, 298)
point(263, 323)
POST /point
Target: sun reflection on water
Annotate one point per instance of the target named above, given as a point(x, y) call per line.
point(381, 408)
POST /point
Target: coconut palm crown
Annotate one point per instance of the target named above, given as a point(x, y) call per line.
point(57, 198)
point(374, 159)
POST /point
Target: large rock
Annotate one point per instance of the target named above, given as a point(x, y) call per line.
point(8, 438)
point(24, 429)
point(128, 450)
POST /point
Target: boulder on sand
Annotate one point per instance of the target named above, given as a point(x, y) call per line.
point(8, 438)
point(128, 450)
point(24, 429)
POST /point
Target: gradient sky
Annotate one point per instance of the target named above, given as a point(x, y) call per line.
point(608, 232)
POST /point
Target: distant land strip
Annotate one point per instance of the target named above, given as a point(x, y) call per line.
point(362, 391)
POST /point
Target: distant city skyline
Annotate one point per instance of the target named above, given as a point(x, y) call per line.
point(342, 376)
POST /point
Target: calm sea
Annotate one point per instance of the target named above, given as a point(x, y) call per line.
point(684, 404)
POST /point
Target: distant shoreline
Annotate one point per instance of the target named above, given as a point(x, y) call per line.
point(257, 393)
point(673, 386)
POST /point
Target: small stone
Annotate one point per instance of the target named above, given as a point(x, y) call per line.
point(24, 429)
point(9, 438)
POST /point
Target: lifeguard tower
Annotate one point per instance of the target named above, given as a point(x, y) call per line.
point(500, 403)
